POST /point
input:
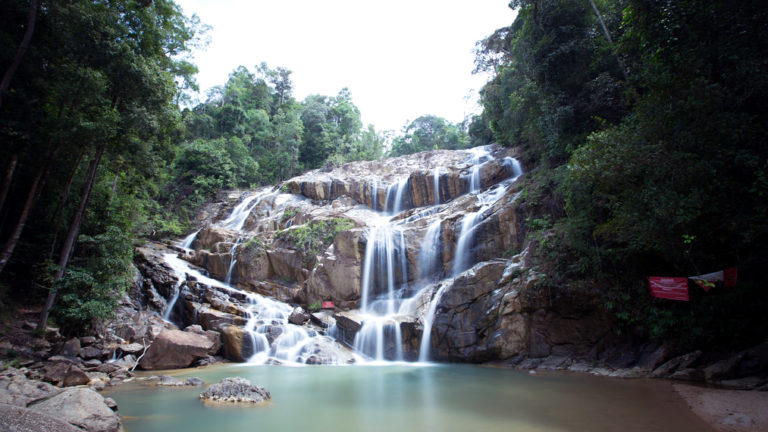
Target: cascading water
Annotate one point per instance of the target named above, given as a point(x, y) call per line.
point(429, 319)
point(188, 240)
point(172, 304)
point(384, 278)
point(388, 299)
point(232, 260)
point(429, 256)
point(272, 338)
point(236, 220)
point(479, 156)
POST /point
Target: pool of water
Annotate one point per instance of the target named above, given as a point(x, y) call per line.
point(406, 398)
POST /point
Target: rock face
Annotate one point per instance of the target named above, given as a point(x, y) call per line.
point(27, 405)
point(236, 390)
point(177, 349)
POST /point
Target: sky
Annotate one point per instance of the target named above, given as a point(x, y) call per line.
point(400, 59)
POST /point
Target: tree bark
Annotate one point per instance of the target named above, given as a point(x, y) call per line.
point(7, 179)
point(31, 18)
point(57, 214)
point(34, 193)
point(610, 40)
point(69, 242)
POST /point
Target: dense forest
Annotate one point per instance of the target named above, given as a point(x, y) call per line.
point(97, 153)
point(643, 121)
point(646, 121)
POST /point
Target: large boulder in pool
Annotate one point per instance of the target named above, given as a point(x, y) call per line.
point(174, 349)
point(236, 390)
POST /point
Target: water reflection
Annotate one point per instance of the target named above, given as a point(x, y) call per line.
point(412, 398)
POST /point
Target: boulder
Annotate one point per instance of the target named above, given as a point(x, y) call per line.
point(92, 352)
point(298, 316)
point(83, 408)
point(17, 390)
point(176, 349)
point(20, 419)
point(74, 376)
point(211, 319)
point(238, 346)
point(71, 348)
point(236, 390)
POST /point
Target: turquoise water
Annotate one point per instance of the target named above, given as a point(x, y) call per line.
point(410, 398)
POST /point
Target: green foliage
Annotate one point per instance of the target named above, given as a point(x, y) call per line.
point(314, 307)
point(313, 237)
point(289, 214)
point(429, 133)
point(650, 152)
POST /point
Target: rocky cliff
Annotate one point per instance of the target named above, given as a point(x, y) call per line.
point(419, 257)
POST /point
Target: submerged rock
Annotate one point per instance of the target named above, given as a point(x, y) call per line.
point(236, 390)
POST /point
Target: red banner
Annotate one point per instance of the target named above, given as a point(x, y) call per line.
point(672, 288)
point(328, 305)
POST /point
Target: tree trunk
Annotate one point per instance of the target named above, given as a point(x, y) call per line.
point(610, 40)
point(6, 82)
point(34, 192)
point(57, 214)
point(69, 242)
point(7, 179)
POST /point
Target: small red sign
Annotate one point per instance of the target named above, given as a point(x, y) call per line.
point(328, 305)
point(671, 288)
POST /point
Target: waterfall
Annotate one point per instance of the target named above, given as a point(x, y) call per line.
point(430, 251)
point(479, 156)
point(176, 294)
point(240, 213)
point(514, 167)
point(188, 240)
point(266, 318)
point(394, 197)
point(375, 194)
point(232, 260)
point(461, 257)
point(429, 319)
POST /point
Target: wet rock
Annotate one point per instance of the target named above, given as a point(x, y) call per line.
point(211, 319)
point(213, 336)
point(238, 346)
point(298, 316)
point(236, 390)
point(110, 403)
point(193, 382)
point(168, 381)
point(176, 349)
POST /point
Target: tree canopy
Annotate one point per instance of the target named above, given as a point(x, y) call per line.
point(646, 122)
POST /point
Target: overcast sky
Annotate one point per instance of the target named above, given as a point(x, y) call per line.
point(399, 58)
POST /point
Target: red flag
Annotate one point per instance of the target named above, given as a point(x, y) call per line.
point(729, 277)
point(672, 288)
